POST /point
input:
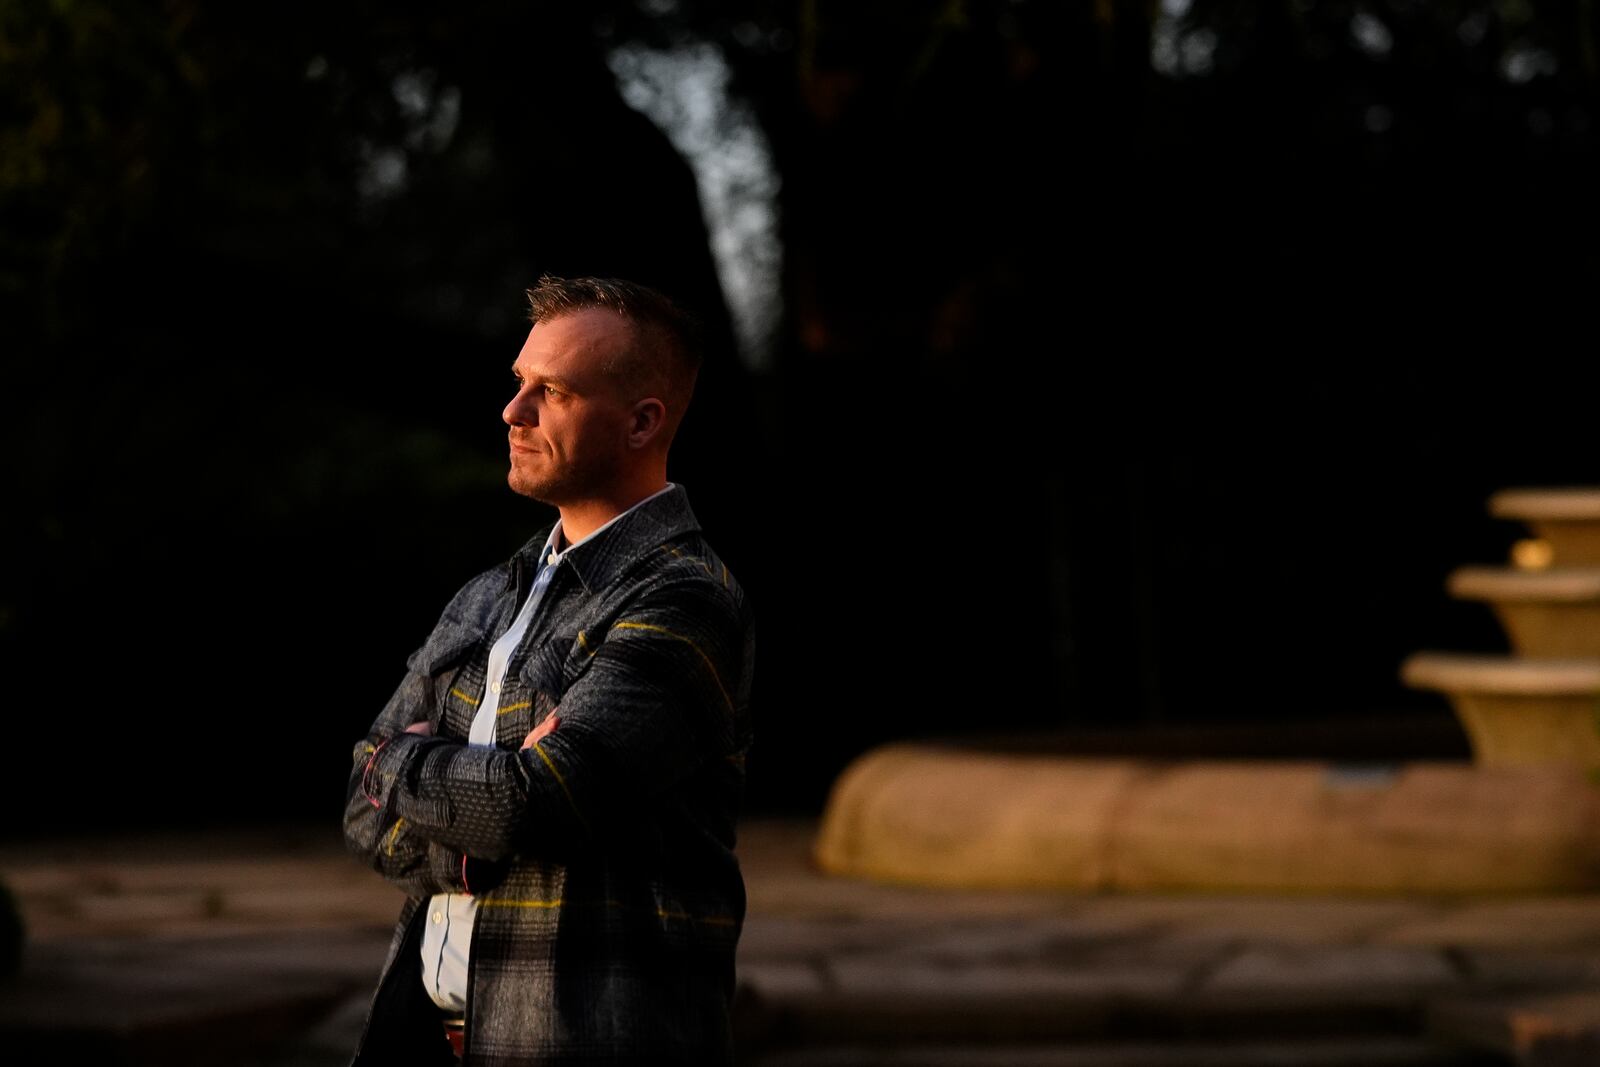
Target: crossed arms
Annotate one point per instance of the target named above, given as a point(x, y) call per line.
point(665, 692)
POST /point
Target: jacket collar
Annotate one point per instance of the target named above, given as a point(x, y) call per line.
point(599, 559)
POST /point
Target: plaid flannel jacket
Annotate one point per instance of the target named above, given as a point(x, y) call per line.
point(609, 898)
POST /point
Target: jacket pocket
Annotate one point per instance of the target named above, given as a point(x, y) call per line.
point(440, 660)
point(560, 661)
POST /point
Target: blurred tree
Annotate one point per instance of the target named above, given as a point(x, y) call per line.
point(244, 260)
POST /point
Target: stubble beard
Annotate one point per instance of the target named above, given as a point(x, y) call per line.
point(546, 488)
point(558, 487)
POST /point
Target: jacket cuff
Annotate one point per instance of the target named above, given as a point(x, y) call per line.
point(387, 765)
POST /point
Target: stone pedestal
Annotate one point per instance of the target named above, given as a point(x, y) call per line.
point(1548, 614)
point(1541, 705)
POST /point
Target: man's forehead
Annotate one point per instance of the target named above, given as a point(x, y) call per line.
point(576, 341)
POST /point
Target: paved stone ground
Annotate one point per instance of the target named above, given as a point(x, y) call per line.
point(260, 948)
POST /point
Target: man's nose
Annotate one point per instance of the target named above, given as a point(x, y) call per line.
point(521, 411)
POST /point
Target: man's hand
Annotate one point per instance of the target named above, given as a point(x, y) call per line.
point(546, 727)
point(425, 728)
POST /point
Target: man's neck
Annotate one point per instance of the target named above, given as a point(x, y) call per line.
point(582, 518)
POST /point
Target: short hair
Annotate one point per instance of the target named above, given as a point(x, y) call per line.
point(666, 356)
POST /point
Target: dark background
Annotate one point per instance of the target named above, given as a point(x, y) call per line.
point(1142, 370)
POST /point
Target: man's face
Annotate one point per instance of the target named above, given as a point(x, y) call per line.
point(569, 421)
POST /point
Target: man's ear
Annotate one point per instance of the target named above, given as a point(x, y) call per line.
point(649, 418)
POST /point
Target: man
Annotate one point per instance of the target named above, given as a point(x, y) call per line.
point(554, 783)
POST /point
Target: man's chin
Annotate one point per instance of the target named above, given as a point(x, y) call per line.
point(530, 489)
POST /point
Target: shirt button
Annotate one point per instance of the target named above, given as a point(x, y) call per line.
point(495, 687)
point(438, 916)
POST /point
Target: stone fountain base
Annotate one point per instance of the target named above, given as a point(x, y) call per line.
point(939, 816)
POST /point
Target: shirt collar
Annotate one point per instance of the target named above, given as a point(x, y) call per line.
point(602, 554)
point(551, 555)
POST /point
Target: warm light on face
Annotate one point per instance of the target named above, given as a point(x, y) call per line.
point(566, 427)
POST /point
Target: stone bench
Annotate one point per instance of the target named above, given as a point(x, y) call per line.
point(954, 817)
point(1552, 1029)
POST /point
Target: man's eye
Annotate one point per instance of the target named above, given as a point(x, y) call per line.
point(551, 390)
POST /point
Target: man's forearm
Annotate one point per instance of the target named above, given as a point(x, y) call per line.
point(392, 847)
point(471, 798)
point(661, 695)
point(384, 841)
